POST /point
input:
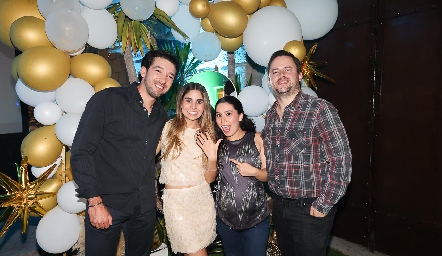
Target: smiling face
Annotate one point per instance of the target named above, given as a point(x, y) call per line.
point(192, 107)
point(158, 78)
point(228, 120)
point(283, 77)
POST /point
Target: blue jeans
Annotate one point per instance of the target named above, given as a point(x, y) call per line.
point(298, 233)
point(252, 241)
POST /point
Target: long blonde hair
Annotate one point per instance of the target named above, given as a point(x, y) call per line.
point(178, 124)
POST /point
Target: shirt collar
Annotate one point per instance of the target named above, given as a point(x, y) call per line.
point(294, 104)
point(134, 94)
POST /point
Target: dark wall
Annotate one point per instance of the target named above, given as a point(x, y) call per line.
point(386, 59)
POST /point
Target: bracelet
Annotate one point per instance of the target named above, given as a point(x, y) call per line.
point(93, 205)
point(214, 170)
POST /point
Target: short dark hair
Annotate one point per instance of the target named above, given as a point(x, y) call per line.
point(285, 53)
point(153, 54)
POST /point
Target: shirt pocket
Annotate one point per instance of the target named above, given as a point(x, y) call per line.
point(297, 142)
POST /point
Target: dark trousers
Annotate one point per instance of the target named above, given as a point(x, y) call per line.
point(138, 234)
point(249, 242)
point(298, 233)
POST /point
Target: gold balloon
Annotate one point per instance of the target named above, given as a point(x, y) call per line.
point(106, 83)
point(228, 19)
point(296, 48)
point(14, 66)
point(278, 3)
point(68, 170)
point(10, 10)
point(90, 67)
point(264, 3)
point(199, 8)
point(205, 24)
point(230, 44)
point(44, 68)
point(250, 6)
point(41, 146)
point(50, 185)
point(27, 32)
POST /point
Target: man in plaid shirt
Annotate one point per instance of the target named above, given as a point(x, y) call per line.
point(308, 160)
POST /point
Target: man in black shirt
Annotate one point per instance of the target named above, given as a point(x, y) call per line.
point(113, 158)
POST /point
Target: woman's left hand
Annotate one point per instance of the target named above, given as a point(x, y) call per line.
point(244, 169)
point(209, 148)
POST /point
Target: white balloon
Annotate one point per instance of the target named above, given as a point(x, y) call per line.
point(67, 198)
point(206, 46)
point(268, 30)
point(259, 122)
point(67, 30)
point(138, 9)
point(73, 95)
point(66, 127)
point(47, 113)
point(254, 99)
point(185, 2)
point(58, 231)
point(37, 171)
point(96, 4)
point(78, 52)
point(102, 27)
point(47, 6)
point(187, 23)
point(272, 99)
point(317, 17)
point(265, 82)
point(31, 96)
point(170, 7)
point(309, 91)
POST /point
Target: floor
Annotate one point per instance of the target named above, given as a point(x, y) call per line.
point(351, 249)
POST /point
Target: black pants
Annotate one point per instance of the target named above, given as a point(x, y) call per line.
point(138, 234)
point(298, 233)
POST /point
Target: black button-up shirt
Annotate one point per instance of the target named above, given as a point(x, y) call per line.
point(113, 153)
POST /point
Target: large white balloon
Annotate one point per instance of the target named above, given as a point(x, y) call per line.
point(31, 96)
point(73, 95)
point(272, 99)
point(37, 171)
point(67, 198)
point(317, 17)
point(170, 7)
point(96, 4)
point(265, 82)
point(307, 90)
point(206, 46)
point(259, 122)
point(102, 27)
point(58, 231)
point(187, 23)
point(254, 99)
point(66, 127)
point(186, 2)
point(138, 9)
point(47, 6)
point(47, 113)
point(268, 30)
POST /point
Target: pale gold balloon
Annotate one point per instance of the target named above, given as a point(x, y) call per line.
point(278, 3)
point(27, 32)
point(68, 169)
point(14, 66)
point(264, 3)
point(41, 146)
point(106, 83)
point(296, 48)
point(205, 24)
point(250, 6)
point(228, 19)
point(199, 8)
point(50, 185)
point(230, 44)
point(90, 67)
point(11, 10)
point(44, 68)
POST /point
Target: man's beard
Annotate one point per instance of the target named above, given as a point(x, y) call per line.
point(151, 92)
point(291, 90)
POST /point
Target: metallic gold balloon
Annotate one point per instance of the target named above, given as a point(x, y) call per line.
point(106, 83)
point(90, 67)
point(278, 3)
point(10, 10)
point(27, 32)
point(230, 44)
point(50, 185)
point(41, 146)
point(228, 19)
point(296, 48)
point(68, 170)
point(250, 6)
point(44, 68)
point(309, 68)
point(199, 8)
point(205, 24)
point(14, 66)
point(264, 3)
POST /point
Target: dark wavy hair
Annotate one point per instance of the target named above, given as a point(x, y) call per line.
point(245, 124)
point(284, 53)
point(152, 55)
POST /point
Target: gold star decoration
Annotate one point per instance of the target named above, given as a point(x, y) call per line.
point(309, 68)
point(22, 197)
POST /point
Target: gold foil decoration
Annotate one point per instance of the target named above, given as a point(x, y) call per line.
point(309, 69)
